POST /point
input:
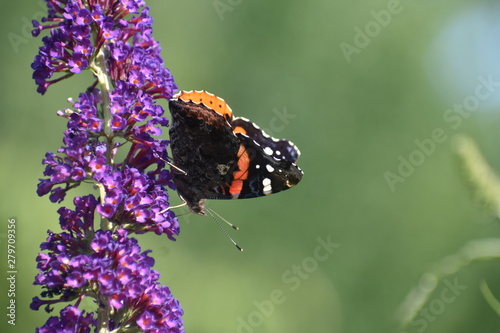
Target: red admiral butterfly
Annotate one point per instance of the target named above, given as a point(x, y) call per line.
point(225, 157)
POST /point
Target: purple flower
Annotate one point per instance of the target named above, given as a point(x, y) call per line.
point(118, 115)
point(71, 320)
point(69, 48)
point(134, 191)
point(111, 269)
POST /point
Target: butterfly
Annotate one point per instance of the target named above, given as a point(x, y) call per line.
point(218, 156)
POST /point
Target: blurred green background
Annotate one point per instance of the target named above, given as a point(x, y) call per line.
point(358, 86)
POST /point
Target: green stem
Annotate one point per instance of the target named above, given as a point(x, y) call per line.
point(100, 70)
point(103, 323)
point(419, 296)
point(489, 297)
point(105, 223)
point(481, 176)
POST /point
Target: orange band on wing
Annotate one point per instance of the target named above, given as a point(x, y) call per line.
point(239, 129)
point(242, 174)
point(215, 103)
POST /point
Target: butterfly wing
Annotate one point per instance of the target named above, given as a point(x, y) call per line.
point(278, 148)
point(225, 157)
point(257, 173)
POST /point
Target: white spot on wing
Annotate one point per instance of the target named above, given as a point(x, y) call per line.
point(268, 151)
point(269, 168)
point(267, 185)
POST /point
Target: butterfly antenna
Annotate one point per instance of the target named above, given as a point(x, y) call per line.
point(173, 207)
point(172, 165)
point(223, 219)
point(188, 212)
point(224, 230)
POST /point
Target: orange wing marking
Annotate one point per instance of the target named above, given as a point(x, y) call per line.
point(241, 175)
point(210, 100)
point(239, 129)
